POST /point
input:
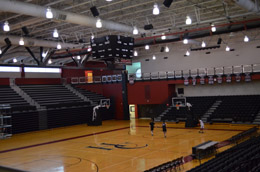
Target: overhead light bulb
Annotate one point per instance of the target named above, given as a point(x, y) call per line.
point(213, 28)
point(21, 42)
point(44, 54)
point(135, 31)
point(163, 37)
point(147, 47)
point(55, 33)
point(135, 53)
point(187, 53)
point(185, 41)
point(154, 57)
point(203, 44)
point(58, 46)
point(109, 0)
point(78, 57)
point(188, 20)
point(227, 48)
point(167, 49)
point(49, 14)
point(89, 48)
point(156, 10)
point(246, 39)
point(0, 51)
point(98, 23)
point(14, 60)
point(49, 61)
point(6, 26)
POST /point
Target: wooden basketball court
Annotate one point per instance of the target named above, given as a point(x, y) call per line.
point(116, 146)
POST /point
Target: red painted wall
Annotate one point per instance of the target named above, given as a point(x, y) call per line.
point(35, 81)
point(159, 91)
point(4, 81)
point(109, 90)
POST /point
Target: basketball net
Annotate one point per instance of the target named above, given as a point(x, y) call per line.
point(177, 107)
point(107, 106)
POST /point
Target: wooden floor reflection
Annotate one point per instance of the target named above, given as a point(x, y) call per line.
point(116, 146)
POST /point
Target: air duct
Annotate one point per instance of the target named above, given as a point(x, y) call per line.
point(248, 5)
point(40, 11)
point(31, 42)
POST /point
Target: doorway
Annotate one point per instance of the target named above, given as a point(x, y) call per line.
point(132, 111)
point(89, 76)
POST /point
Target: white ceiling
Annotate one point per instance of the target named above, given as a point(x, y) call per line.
point(129, 12)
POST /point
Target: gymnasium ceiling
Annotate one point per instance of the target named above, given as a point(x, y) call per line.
point(127, 12)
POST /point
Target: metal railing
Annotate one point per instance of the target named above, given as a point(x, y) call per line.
point(214, 71)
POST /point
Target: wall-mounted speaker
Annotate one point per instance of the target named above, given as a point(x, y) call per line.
point(167, 3)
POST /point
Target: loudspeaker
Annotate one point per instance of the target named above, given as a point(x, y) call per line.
point(148, 27)
point(94, 11)
point(7, 41)
point(219, 41)
point(167, 3)
point(162, 49)
point(25, 30)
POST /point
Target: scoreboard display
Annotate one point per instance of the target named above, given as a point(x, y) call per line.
point(112, 47)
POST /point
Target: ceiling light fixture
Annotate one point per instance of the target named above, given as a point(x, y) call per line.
point(163, 37)
point(135, 31)
point(147, 47)
point(156, 10)
point(203, 44)
point(246, 39)
point(6, 26)
point(135, 53)
point(55, 33)
point(187, 53)
point(92, 36)
point(213, 28)
point(99, 23)
point(58, 46)
point(0, 51)
point(167, 49)
point(227, 48)
point(14, 60)
point(78, 57)
point(49, 61)
point(49, 14)
point(154, 57)
point(188, 20)
point(21, 42)
point(185, 41)
point(109, 0)
point(44, 54)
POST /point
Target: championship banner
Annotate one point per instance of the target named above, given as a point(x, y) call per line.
point(219, 79)
point(186, 81)
point(194, 81)
point(131, 79)
point(238, 78)
point(248, 77)
point(202, 80)
point(211, 80)
point(228, 79)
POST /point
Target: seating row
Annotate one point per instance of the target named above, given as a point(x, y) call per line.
point(168, 166)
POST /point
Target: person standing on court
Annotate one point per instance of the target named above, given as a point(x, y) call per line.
point(201, 126)
point(164, 128)
point(152, 126)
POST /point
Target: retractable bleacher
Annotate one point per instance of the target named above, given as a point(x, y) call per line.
point(53, 96)
point(17, 103)
point(237, 109)
point(95, 97)
point(243, 157)
point(199, 106)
